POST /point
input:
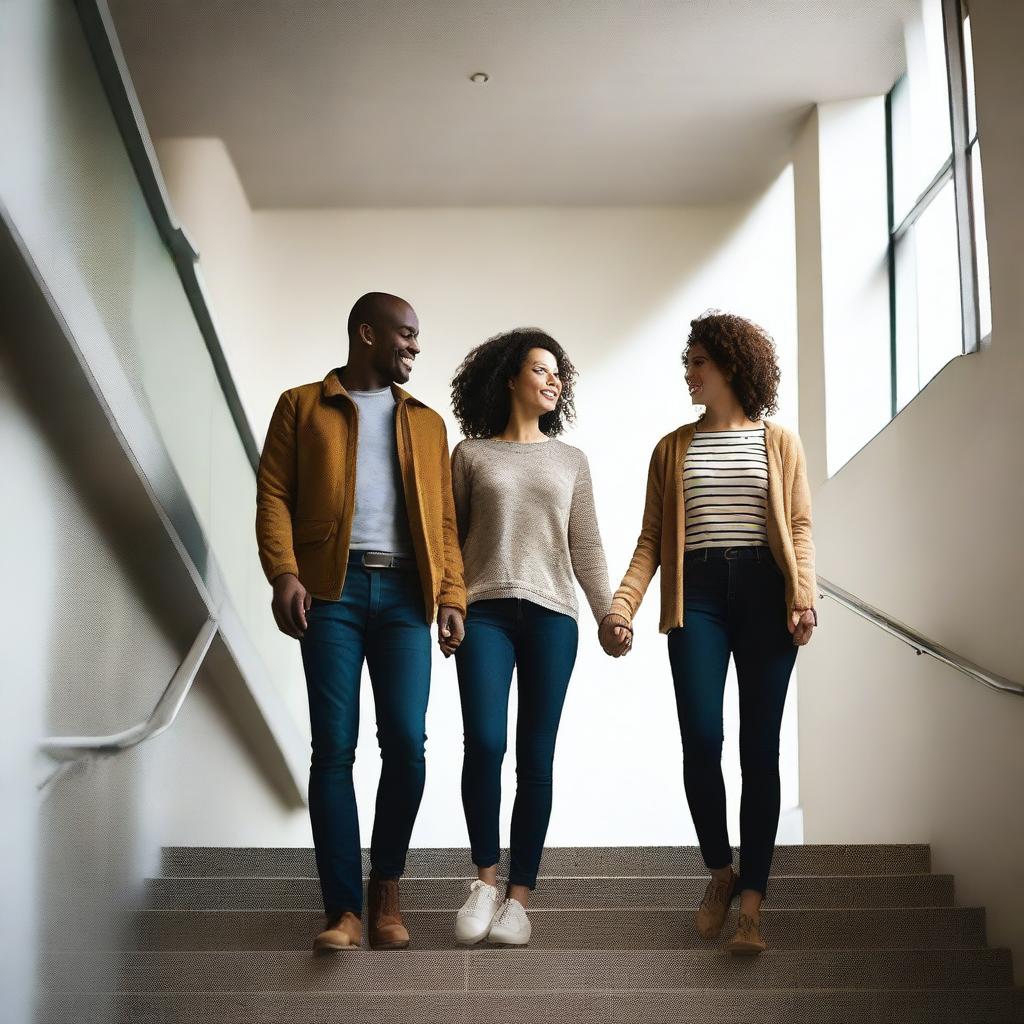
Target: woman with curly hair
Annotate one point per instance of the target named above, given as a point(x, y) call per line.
point(528, 526)
point(732, 487)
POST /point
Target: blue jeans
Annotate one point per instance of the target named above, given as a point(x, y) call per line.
point(733, 602)
point(380, 618)
point(503, 635)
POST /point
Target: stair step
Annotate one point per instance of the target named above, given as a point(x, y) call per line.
point(426, 862)
point(527, 970)
point(856, 933)
point(792, 891)
point(676, 1006)
point(844, 928)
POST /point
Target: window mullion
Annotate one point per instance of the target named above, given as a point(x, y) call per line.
point(891, 253)
point(934, 188)
point(957, 81)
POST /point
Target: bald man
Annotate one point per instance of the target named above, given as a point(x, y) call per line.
point(356, 528)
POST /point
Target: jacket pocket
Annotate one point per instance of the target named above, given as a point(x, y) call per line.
point(312, 531)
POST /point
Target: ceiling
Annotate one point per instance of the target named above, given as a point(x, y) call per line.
point(590, 102)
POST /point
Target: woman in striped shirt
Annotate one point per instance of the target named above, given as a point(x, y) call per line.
point(733, 487)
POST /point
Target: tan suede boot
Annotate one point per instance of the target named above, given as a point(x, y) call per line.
point(386, 928)
point(715, 905)
point(747, 941)
point(343, 931)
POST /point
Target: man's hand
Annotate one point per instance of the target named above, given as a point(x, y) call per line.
point(615, 635)
point(451, 630)
point(290, 604)
point(801, 625)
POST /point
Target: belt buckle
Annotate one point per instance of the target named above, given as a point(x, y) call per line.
point(378, 560)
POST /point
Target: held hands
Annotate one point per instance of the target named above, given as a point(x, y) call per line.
point(615, 635)
point(801, 625)
point(290, 603)
point(451, 630)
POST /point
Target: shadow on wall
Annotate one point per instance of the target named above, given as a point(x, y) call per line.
point(87, 656)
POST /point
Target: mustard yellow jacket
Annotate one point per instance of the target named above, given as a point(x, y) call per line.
point(305, 492)
point(662, 536)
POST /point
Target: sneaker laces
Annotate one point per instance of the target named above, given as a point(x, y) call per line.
point(512, 909)
point(479, 891)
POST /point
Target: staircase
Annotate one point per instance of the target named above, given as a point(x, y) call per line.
point(856, 933)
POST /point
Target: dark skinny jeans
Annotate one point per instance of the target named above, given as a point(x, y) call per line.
point(733, 603)
point(502, 635)
point(380, 619)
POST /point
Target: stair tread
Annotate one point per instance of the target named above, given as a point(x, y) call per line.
point(677, 1005)
point(558, 861)
point(596, 892)
point(561, 928)
point(526, 969)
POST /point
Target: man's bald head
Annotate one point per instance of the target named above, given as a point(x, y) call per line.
point(375, 309)
point(383, 337)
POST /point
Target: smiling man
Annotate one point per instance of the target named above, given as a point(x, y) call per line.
point(355, 522)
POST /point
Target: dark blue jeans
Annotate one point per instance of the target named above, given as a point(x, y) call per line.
point(379, 618)
point(540, 645)
point(733, 603)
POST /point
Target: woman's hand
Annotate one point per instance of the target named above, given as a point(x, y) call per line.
point(615, 635)
point(801, 625)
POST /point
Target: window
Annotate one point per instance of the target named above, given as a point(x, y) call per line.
point(938, 259)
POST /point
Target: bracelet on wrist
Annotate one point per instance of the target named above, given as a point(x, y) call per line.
point(618, 620)
point(813, 611)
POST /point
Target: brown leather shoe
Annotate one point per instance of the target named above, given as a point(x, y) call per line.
point(386, 928)
point(344, 931)
point(715, 905)
point(747, 941)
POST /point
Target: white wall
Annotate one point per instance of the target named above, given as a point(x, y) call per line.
point(617, 287)
point(924, 523)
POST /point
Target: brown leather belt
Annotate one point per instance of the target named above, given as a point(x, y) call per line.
point(382, 560)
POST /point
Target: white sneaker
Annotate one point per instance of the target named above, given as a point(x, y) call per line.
point(474, 918)
point(511, 926)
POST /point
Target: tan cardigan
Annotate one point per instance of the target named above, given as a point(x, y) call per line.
point(662, 536)
point(305, 492)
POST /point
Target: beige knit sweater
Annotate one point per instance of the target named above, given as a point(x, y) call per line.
point(528, 525)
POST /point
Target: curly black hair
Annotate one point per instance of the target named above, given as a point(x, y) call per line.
point(480, 394)
point(745, 353)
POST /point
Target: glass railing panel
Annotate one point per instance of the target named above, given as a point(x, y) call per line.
point(74, 198)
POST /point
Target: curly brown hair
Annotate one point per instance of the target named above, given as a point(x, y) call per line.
point(745, 353)
point(481, 399)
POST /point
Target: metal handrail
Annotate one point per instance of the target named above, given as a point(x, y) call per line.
point(76, 748)
point(920, 643)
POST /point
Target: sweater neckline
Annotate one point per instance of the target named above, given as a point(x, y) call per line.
point(517, 444)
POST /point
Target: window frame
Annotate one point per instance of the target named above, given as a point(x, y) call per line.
point(958, 167)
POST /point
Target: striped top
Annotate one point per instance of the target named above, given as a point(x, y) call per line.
point(725, 486)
